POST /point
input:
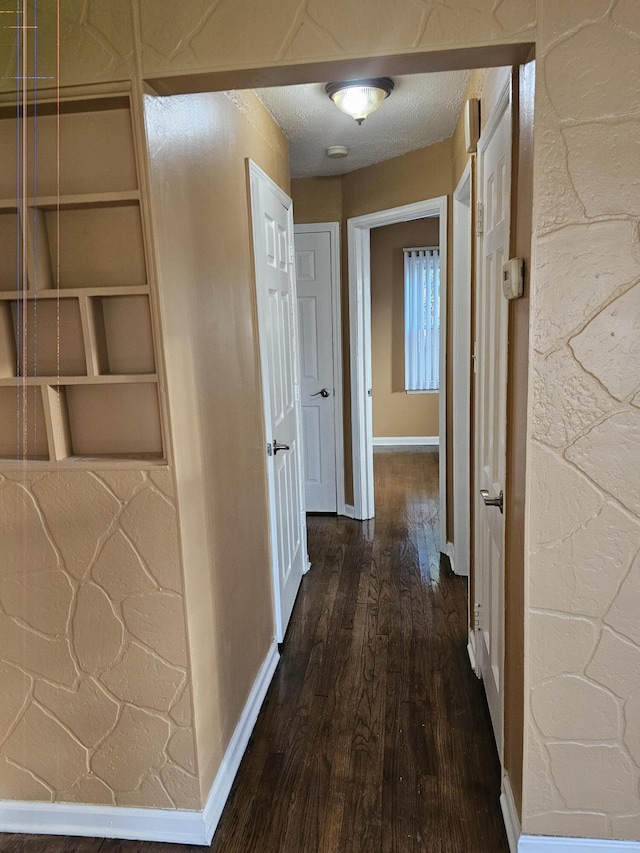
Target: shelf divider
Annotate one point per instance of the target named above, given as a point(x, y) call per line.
point(7, 342)
point(95, 342)
point(56, 415)
point(39, 273)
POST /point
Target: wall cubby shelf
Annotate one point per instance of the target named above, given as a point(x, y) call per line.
point(78, 370)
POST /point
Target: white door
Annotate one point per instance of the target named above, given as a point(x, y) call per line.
point(276, 299)
point(494, 193)
point(315, 330)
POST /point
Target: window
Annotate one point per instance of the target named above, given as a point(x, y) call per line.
point(421, 319)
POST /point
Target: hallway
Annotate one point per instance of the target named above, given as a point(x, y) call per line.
point(374, 737)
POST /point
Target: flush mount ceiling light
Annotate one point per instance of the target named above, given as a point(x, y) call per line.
point(336, 151)
point(359, 98)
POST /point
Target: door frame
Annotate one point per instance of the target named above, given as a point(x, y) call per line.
point(359, 250)
point(461, 402)
point(256, 176)
point(333, 229)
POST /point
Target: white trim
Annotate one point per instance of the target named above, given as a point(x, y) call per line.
point(510, 814)
point(471, 651)
point(336, 312)
point(450, 552)
point(177, 826)
point(359, 252)
point(349, 511)
point(461, 369)
point(406, 440)
point(180, 827)
point(550, 844)
point(238, 743)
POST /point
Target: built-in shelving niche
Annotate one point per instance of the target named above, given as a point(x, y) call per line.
point(78, 371)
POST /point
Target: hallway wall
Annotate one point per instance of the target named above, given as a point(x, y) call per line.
point(198, 146)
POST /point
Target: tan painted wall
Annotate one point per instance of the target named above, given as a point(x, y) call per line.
point(199, 187)
point(582, 742)
point(418, 175)
point(317, 199)
point(394, 411)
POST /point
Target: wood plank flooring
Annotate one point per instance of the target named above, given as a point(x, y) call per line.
point(374, 736)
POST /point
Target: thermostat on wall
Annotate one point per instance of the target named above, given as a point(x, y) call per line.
point(513, 278)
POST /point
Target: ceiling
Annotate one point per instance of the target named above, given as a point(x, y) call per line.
point(421, 110)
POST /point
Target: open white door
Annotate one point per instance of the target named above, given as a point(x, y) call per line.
point(272, 219)
point(317, 284)
point(494, 197)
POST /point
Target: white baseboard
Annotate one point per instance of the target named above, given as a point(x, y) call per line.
point(177, 826)
point(510, 814)
point(549, 844)
point(406, 441)
point(349, 511)
point(75, 819)
point(238, 744)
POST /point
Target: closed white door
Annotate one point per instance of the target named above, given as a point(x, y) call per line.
point(494, 194)
point(276, 299)
point(315, 330)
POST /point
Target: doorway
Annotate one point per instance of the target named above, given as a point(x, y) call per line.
point(359, 248)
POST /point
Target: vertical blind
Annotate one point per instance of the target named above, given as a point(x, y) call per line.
point(421, 319)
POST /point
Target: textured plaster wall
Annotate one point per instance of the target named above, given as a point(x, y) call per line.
point(96, 704)
point(583, 638)
point(582, 745)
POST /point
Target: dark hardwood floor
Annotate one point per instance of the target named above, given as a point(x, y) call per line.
point(374, 736)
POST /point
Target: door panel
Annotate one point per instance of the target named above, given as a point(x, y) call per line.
point(315, 329)
point(494, 193)
point(277, 327)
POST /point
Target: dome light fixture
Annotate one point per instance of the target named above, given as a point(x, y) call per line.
point(336, 151)
point(359, 98)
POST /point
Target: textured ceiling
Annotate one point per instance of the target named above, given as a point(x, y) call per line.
point(421, 110)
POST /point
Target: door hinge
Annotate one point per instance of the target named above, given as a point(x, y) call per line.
point(292, 257)
point(269, 449)
point(296, 393)
point(474, 357)
point(479, 219)
point(477, 623)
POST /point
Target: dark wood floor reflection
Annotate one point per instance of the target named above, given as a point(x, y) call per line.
point(375, 736)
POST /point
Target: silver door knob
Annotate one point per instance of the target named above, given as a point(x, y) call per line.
point(277, 447)
point(492, 501)
point(323, 393)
